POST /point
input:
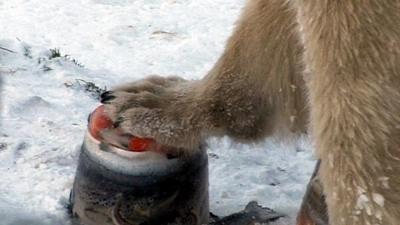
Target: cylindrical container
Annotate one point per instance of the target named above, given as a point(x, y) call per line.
point(313, 210)
point(117, 187)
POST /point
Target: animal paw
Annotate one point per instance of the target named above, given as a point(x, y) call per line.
point(160, 108)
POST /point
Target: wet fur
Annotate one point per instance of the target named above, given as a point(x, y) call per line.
point(348, 88)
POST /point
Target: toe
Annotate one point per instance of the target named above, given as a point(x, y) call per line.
point(141, 122)
point(106, 95)
point(107, 99)
point(118, 122)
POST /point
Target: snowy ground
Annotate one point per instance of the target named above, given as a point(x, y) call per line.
point(43, 119)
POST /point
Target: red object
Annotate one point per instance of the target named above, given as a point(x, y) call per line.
point(139, 144)
point(98, 122)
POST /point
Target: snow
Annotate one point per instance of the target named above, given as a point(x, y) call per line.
point(43, 120)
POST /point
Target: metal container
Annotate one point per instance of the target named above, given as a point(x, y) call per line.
point(313, 210)
point(116, 187)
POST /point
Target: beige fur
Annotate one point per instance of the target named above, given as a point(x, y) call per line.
point(351, 50)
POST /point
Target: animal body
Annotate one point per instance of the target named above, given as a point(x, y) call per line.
point(332, 66)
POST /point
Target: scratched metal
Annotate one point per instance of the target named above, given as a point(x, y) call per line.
point(176, 194)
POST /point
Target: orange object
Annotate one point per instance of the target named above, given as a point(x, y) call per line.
point(140, 144)
point(98, 122)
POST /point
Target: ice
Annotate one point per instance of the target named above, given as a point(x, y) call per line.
point(44, 121)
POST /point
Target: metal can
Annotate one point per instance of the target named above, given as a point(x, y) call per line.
point(313, 210)
point(116, 187)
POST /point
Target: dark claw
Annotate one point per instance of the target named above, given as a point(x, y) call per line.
point(107, 98)
point(118, 122)
point(106, 94)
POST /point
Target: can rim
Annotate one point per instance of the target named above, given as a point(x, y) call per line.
point(126, 162)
